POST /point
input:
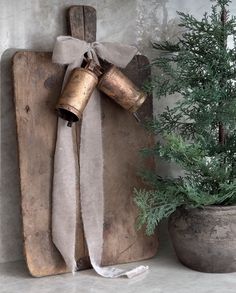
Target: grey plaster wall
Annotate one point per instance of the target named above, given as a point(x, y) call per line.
point(34, 24)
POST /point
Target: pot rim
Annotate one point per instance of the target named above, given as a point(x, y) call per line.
point(218, 207)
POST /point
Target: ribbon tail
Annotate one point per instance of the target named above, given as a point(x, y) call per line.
point(91, 189)
point(65, 194)
point(91, 177)
point(113, 272)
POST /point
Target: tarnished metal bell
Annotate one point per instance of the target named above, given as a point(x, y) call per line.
point(121, 89)
point(77, 92)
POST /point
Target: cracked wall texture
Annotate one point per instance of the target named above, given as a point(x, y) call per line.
point(34, 25)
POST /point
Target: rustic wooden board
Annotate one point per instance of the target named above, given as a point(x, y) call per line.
point(37, 84)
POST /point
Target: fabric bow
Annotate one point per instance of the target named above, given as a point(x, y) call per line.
point(71, 51)
point(83, 173)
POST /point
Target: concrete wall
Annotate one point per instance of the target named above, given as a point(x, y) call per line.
point(34, 25)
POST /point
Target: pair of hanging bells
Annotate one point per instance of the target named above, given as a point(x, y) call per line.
point(82, 83)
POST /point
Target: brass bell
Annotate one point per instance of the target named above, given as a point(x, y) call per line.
point(121, 89)
point(77, 92)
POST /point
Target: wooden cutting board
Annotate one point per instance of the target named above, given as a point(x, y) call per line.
point(37, 85)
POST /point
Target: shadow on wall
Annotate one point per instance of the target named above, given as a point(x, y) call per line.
point(154, 24)
point(167, 29)
point(10, 218)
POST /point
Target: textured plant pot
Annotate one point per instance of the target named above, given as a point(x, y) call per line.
point(205, 239)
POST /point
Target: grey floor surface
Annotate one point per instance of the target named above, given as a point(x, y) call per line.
point(166, 275)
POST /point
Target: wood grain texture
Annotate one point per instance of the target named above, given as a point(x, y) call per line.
point(82, 22)
point(37, 84)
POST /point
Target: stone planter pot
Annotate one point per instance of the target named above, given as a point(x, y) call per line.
point(205, 239)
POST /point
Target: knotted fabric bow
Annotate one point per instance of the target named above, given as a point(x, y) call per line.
point(70, 51)
point(83, 173)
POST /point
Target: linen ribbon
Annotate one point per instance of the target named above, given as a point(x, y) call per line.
point(83, 173)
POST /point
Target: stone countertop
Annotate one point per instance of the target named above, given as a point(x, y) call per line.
point(166, 275)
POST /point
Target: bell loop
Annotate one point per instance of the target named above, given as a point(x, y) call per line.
point(94, 67)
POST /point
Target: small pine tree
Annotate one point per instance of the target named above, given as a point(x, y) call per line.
point(199, 132)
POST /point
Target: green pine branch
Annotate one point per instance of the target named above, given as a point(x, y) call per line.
point(199, 131)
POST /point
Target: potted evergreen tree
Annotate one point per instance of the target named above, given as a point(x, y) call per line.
point(199, 135)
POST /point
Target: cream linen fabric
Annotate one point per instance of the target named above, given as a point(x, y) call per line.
point(66, 179)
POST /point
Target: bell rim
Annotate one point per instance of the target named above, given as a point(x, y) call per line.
point(69, 108)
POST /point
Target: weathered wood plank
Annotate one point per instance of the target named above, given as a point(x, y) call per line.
point(37, 85)
point(82, 22)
